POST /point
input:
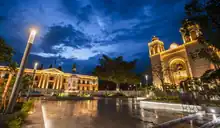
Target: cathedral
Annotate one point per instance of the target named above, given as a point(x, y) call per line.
point(176, 64)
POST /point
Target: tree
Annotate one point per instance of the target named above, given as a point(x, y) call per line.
point(115, 69)
point(74, 68)
point(41, 67)
point(50, 66)
point(26, 82)
point(6, 52)
point(12, 68)
point(60, 68)
point(207, 14)
point(160, 71)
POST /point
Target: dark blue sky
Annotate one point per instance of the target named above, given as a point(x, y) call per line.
point(79, 31)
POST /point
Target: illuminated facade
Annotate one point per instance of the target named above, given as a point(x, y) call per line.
point(176, 62)
point(53, 78)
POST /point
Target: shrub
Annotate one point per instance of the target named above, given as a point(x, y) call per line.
point(16, 120)
point(15, 123)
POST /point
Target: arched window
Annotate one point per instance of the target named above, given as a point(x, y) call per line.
point(155, 49)
point(152, 51)
point(187, 39)
point(193, 35)
point(36, 77)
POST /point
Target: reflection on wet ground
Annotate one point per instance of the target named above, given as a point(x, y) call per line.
point(103, 113)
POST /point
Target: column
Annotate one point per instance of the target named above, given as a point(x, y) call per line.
point(44, 79)
point(154, 51)
point(158, 48)
point(183, 38)
point(90, 85)
point(96, 88)
point(61, 82)
point(40, 81)
point(54, 81)
point(47, 81)
point(58, 82)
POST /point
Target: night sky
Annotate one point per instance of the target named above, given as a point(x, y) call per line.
point(80, 31)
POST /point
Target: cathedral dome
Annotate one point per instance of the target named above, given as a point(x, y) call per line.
point(173, 45)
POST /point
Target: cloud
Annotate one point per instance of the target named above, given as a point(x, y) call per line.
point(84, 53)
point(67, 34)
point(82, 30)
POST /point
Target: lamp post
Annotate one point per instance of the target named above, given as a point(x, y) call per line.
point(34, 72)
point(146, 77)
point(16, 86)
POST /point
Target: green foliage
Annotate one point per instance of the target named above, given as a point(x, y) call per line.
point(84, 95)
point(116, 70)
point(207, 14)
point(6, 52)
point(169, 99)
point(16, 123)
point(26, 82)
point(60, 68)
point(16, 120)
point(74, 68)
point(50, 66)
point(26, 107)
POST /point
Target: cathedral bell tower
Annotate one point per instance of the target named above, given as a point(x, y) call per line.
point(190, 31)
point(155, 46)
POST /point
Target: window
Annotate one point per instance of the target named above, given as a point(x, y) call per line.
point(193, 35)
point(94, 81)
point(51, 78)
point(152, 51)
point(36, 77)
point(6, 76)
point(187, 39)
point(50, 85)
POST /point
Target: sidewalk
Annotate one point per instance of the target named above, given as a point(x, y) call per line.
point(35, 119)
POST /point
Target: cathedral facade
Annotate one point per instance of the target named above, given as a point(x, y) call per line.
point(176, 63)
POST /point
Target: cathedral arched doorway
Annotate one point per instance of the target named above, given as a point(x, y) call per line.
point(179, 70)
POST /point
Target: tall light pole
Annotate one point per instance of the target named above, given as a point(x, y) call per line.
point(16, 86)
point(146, 77)
point(34, 72)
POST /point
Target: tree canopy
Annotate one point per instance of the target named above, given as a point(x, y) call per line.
point(116, 70)
point(60, 68)
point(74, 68)
point(6, 52)
point(207, 14)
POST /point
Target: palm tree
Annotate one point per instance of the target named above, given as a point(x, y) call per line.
point(74, 68)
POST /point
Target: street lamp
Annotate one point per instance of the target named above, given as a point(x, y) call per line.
point(146, 77)
point(16, 86)
point(33, 79)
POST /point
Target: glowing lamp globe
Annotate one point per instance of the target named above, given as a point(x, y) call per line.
point(173, 46)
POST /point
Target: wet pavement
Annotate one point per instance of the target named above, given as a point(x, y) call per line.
point(104, 113)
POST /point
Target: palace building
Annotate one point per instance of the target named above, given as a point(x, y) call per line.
point(176, 63)
point(53, 78)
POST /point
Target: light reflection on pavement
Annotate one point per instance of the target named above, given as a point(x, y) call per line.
point(105, 113)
